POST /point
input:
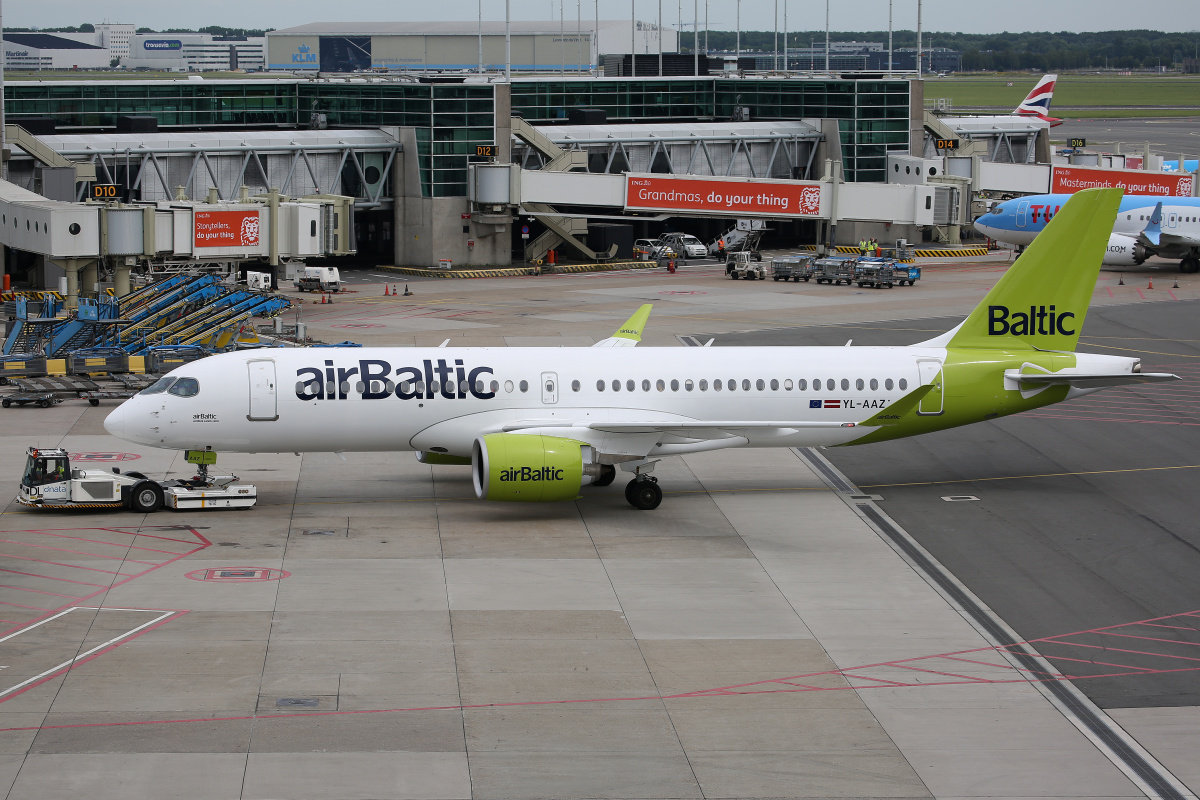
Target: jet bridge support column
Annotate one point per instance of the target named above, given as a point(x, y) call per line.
point(89, 277)
point(72, 266)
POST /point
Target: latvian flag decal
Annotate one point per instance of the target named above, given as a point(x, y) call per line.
point(824, 404)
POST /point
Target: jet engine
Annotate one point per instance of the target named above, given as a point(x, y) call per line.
point(532, 468)
point(1124, 251)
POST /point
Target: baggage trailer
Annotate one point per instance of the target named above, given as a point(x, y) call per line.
point(49, 482)
point(833, 270)
point(795, 268)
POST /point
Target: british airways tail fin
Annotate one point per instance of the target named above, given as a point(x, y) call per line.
point(1037, 102)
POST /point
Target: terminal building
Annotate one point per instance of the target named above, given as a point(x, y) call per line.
point(571, 45)
point(194, 52)
point(474, 170)
point(38, 51)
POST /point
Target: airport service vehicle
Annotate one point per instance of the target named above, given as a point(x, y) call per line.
point(542, 424)
point(50, 482)
point(319, 279)
point(794, 268)
point(1145, 226)
point(834, 270)
point(742, 265)
point(684, 243)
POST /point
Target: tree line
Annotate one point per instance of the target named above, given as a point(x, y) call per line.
point(1133, 49)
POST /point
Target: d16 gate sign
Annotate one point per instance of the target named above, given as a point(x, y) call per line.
point(725, 197)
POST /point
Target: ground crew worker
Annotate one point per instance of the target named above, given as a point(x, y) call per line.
point(862, 247)
point(721, 248)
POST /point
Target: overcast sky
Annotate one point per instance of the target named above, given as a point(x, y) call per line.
point(939, 15)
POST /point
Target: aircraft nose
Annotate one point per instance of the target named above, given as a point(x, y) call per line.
point(114, 423)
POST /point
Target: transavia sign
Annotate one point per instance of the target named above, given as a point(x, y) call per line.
point(766, 198)
point(162, 44)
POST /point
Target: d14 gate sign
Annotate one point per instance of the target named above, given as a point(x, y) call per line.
point(725, 196)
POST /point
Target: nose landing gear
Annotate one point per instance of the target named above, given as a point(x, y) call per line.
point(643, 493)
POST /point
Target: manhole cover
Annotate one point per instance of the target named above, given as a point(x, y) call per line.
point(297, 702)
point(319, 533)
point(959, 498)
point(238, 574)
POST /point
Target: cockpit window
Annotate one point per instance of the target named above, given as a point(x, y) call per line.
point(185, 387)
point(159, 386)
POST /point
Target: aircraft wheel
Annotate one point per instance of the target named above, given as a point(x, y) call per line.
point(1189, 265)
point(644, 494)
point(93, 401)
point(146, 497)
point(608, 474)
point(6, 402)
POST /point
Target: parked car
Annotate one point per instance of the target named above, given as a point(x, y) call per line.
point(684, 243)
point(645, 249)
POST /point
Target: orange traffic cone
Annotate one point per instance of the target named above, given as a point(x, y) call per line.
point(386, 293)
point(394, 292)
point(1150, 285)
point(322, 299)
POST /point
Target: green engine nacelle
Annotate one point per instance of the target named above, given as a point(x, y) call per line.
point(517, 467)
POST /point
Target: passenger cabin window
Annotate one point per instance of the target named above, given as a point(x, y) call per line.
point(802, 385)
point(903, 384)
point(887, 384)
point(600, 385)
point(703, 385)
point(185, 387)
point(574, 386)
point(524, 386)
point(159, 386)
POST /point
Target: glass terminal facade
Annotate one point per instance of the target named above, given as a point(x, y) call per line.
point(450, 118)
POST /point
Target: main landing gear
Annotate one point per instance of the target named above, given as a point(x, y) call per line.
point(643, 493)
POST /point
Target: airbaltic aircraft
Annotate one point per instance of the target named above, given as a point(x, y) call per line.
point(537, 424)
point(1145, 226)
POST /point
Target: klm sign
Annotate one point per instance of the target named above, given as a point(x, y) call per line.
point(304, 55)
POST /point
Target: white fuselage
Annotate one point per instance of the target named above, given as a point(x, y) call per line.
point(441, 399)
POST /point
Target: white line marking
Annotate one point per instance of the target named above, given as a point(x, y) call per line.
point(99, 647)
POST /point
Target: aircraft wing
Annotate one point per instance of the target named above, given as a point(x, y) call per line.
point(629, 334)
point(1176, 239)
point(1086, 381)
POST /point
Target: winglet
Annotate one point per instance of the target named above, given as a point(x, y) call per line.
point(897, 411)
point(630, 333)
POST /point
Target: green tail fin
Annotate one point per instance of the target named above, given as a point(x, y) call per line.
point(1042, 300)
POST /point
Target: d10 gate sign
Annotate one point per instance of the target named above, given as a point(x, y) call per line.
point(729, 197)
point(226, 228)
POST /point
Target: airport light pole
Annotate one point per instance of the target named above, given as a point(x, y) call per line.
point(739, 32)
point(579, 35)
point(775, 55)
point(480, 37)
point(785, 35)
point(889, 37)
point(920, 65)
point(562, 41)
point(660, 70)
point(633, 38)
point(508, 41)
point(827, 35)
point(696, 33)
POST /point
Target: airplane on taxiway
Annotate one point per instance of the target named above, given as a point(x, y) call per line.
point(1036, 104)
point(1145, 226)
point(538, 424)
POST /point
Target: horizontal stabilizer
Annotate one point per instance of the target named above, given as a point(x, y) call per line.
point(1087, 381)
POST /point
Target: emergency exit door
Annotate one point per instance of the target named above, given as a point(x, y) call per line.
point(263, 401)
point(549, 388)
point(931, 374)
